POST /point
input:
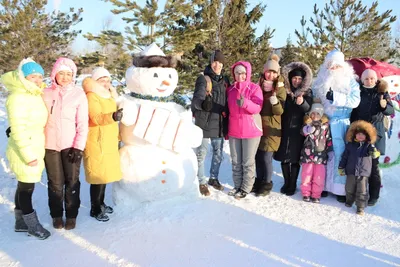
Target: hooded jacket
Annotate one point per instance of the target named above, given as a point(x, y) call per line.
point(101, 156)
point(357, 157)
point(67, 125)
point(245, 121)
point(27, 116)
point(292, 118)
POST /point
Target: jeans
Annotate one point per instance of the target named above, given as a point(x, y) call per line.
point(217, 144)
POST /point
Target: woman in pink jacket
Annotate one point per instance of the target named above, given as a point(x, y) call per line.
point(66, 132)
point(245, 100)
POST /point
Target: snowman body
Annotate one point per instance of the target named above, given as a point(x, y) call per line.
point(157, 158)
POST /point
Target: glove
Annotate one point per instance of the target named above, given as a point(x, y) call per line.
point(383, 102)
point(117, 115)
point(207, 104)
point(8, 132)
point(329, 95)
point(240, 101)
point(308, 129)
point(273, 99)
point(375, 153)
point(75, 155)
point(341, 172)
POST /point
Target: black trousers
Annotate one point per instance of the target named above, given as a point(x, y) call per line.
point(97, 192)
point(374, 180)
point(63, 183)
point(264, 165)
point(23, 197)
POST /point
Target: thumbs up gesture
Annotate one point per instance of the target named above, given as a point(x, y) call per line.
point(383, 102)
point(299, 99)
point(273, 99)
point(117, 115)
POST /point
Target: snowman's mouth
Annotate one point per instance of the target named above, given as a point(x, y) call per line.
point(161, 90)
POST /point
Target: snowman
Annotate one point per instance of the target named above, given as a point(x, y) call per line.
point(157, 132)
point(391, 74)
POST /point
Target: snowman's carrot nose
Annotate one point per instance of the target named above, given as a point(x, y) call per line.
point(165, 83)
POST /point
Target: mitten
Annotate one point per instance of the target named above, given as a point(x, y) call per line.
point(375, 153)
point(117, 115)
point(207, 104)
point(341, 172)
point(240, 102)
point(329, 95)
point(308, 129)
point(273, 99)
point(8, 132)
point(75, 155)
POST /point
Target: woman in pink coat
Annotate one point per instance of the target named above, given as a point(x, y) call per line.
point(245, 100)
point(66, 132)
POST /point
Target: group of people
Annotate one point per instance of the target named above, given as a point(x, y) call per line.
point(55, 128)
point(332, 128)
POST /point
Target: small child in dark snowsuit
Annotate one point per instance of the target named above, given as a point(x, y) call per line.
point(356, 163)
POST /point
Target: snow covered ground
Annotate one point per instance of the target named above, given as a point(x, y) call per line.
point(215, 231)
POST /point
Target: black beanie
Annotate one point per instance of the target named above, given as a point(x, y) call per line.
point(297, 72)
point(217, 56)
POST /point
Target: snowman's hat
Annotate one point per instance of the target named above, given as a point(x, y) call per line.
point(153, 56)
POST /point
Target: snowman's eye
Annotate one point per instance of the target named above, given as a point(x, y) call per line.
point(155, 75)
point(170, 76)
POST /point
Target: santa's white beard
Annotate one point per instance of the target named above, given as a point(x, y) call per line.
point(338, 80)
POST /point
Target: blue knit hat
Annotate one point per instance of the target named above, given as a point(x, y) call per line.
point(31, 68)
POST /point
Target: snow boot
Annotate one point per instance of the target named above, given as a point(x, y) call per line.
point(324, 194)
point(264, 189)
point(204, 190)
point(34, 227)
point(20, 225)
point(341, 199)
point(286, 177)
point(315, 200)
point(70, 224)
point(58, 223)
point(306, 199)
point(107, 209)
point(360, 211)
point(294, 173)
point(256, 185)
point(372, 202)
point(233, 192)
point(240, 194)
point(215, 183)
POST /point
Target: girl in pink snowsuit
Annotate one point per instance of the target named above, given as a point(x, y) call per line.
point(314, 155)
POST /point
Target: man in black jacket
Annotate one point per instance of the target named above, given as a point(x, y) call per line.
point(209, 108)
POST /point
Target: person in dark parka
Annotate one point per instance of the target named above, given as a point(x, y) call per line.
point(209, 109)
point(375, 104)
point(298, 78)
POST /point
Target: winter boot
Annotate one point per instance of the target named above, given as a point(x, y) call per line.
point(20, 225)
point(240, 194)
point(294, 173)
point(99, 214)
point(286, 177)
point(34, 227)
point(70, 223)
point(349, 205)
point(315, 200)
point(233, 192)
point(256, 185)
point(58, 223)
point(324, 194)
point(341, 199)
point(215, 183)
point(264, 189)
point(306, 199)
point(360, 211)
point(204, 190)
point(107, 209)
point(372, 202)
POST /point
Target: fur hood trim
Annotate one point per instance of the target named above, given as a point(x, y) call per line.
point(360, 125)
point(382, 86)
point(305, 85)
point(155, 61)
point(90, 85)
point(308, 120)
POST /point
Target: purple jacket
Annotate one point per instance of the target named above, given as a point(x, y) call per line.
point(245, 122)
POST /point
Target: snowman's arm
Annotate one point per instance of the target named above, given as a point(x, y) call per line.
point(130, 111)
point(95, 114)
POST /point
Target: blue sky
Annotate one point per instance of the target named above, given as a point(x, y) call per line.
point(282, 15)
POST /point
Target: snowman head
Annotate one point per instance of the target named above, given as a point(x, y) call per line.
point(152, 73)
point(394, 84)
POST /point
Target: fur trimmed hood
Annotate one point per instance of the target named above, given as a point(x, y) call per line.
point(363, 126)
point(305, 86)
point(155, 61)
point(90, 85)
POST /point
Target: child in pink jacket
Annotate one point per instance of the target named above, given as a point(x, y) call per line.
point(245, 100)
point(314, 155)
point(66, 132)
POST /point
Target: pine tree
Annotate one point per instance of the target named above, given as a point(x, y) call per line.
point(289, 53)
point(347, 25)
point(26, 30)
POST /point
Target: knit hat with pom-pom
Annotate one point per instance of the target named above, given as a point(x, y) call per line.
point(272, 64)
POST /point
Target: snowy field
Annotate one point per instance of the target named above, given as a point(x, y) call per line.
point(215, 231)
